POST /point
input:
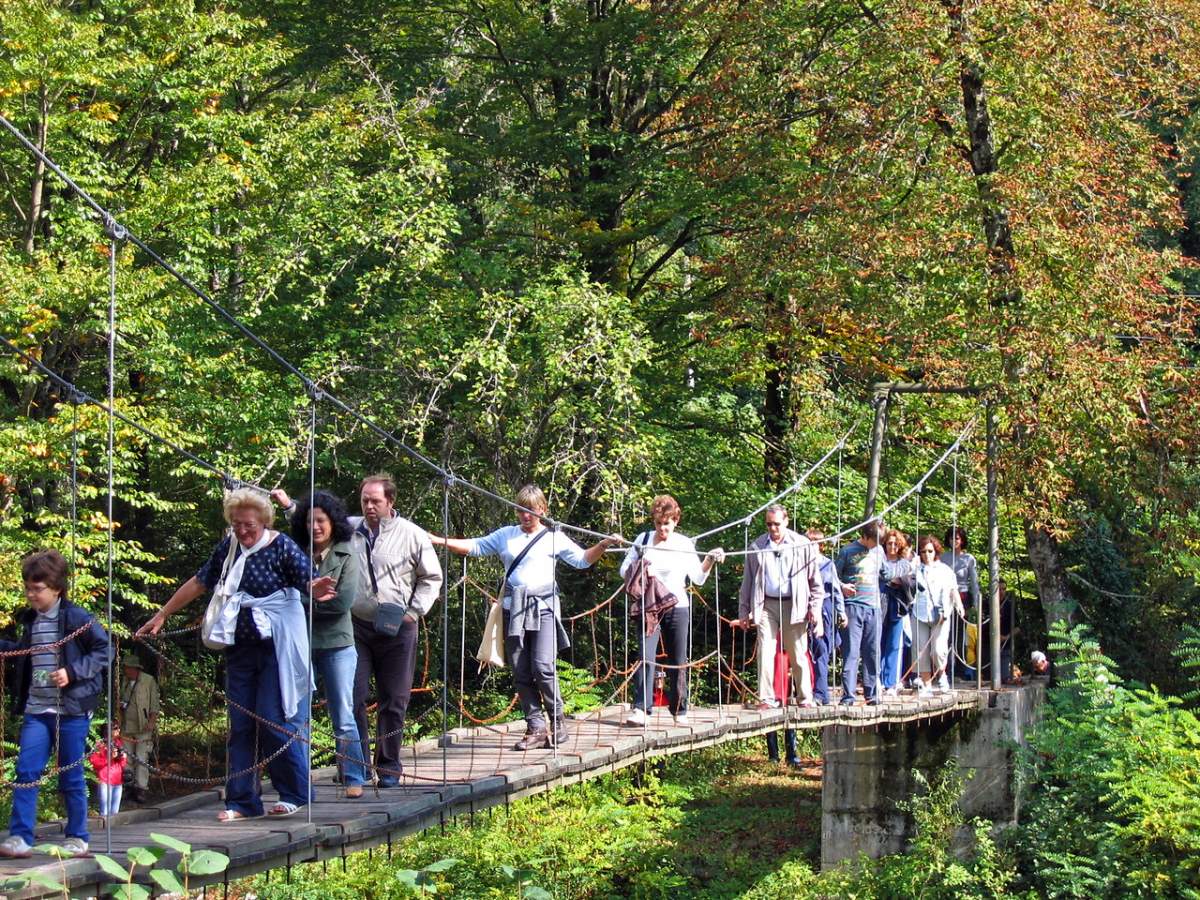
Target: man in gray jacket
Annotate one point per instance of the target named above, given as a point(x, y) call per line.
point(782, 594)
point(402, 578)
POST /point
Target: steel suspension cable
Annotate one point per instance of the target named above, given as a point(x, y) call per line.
point(116, 233)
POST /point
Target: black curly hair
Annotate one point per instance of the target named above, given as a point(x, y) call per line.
point(332, 506)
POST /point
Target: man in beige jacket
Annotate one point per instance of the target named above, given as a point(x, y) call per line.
point(139, 721)
point(401, 581)
point(782, 594)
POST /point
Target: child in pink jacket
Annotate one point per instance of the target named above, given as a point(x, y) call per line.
point(110, 772)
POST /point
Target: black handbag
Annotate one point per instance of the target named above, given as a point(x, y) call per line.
point(389, 617)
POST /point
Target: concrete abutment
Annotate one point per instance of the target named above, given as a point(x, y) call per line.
point(867, 770)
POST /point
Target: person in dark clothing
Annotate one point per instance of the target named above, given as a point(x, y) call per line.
point(58, 687)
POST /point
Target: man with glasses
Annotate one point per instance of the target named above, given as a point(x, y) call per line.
point(782, 594)
point(863, 565)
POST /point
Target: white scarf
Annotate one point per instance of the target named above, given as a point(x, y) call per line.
point(233, 578)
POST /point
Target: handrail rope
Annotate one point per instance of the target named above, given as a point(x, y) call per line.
point(792, 488)
point(1099, 590)
point(44, 648)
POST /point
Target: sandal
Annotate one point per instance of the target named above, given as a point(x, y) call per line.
point(232, 815)
point(282, 810)
point(354, 791)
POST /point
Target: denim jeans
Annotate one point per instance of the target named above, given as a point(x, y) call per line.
point(336, 666)
point(862, 641)
point(108, 798)
point(36, 740)
point(674, 627)
point(822, 650)
point(889, 651)
point(252, 681)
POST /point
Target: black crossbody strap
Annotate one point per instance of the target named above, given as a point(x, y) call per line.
point(370, 562)
point(520, 556)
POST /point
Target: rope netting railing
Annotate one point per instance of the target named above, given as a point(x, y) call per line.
point(611, 671)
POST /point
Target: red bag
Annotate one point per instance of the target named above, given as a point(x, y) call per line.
point(782, 673)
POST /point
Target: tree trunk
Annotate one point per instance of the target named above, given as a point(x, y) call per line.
point(1051, 576)
point(981, 153)
point(37, 188)
point(777, 415)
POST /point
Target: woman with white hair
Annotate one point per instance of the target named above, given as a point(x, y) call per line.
point(264, 577)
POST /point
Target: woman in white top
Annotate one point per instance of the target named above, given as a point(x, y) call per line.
point(533, 630)
point(673, 561)
point(935, 599)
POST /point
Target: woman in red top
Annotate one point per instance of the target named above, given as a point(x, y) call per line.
point(110, 773)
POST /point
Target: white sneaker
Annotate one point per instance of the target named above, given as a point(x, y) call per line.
point(74, 846)
point(925, 690)
point(14, 847)
point(943, 685)
point(681, 719)
point(890, 693)
point(636, 718)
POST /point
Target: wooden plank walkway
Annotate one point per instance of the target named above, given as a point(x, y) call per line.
point(470, 770)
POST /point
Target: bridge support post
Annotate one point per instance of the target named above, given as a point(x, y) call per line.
point(867, 771)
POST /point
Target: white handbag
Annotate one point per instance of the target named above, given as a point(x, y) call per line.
point(491, 647)
point(212, 613)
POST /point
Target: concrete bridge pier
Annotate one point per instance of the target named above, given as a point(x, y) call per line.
point(866, 770)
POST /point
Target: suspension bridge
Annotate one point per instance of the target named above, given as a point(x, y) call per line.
point(465, 773)
point(472, 768)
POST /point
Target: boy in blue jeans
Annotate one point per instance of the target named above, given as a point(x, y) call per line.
point(58, 686)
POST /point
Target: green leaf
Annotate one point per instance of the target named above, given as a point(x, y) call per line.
point(207, 862)
point(167, 881)
point(131, 892)
point(41, 878)
point(171, 843)
point(509, 872)
point(441, 865)
point(145, 856)
point(111, 866)
point(408, 877)
point(533, 892)
point(51, 850)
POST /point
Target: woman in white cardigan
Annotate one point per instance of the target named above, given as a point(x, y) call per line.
point(936, 598)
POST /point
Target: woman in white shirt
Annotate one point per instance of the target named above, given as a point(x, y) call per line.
point(935, 599)
point(533, 629)
point(673, 561)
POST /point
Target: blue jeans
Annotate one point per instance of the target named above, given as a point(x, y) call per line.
point(889, 651)
point(822, 652)
point(36, 741)
point(108, 798)
point(862, 635)
point(337, 666)
point(252, 679)
point(674, 627)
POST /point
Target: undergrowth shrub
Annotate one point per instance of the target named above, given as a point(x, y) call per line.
point(1112, 774)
